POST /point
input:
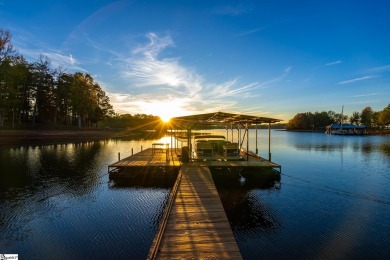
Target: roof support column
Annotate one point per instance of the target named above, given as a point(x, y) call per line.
point(269, 141)
point(239, 135)
point(247, 141)
point(231, 127)
point(171, 131)
point(257, 150)
point(189, 143)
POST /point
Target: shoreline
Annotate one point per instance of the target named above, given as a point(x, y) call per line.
point(47, 137)
point(36, 137)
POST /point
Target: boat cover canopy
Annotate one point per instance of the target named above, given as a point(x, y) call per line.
point(221, 118)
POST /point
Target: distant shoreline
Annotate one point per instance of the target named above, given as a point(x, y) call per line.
point(369, 132)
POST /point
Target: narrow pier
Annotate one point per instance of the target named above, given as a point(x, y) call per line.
point(194, 225)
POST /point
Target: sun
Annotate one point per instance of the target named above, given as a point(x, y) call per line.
point(165, 118)
point(166, 109)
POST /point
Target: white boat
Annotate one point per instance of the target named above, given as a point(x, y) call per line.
point(214, 147)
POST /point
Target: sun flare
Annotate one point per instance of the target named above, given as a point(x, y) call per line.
point(165, 118)
point(166, 109)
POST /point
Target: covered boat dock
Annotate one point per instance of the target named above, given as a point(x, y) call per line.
point(194, 224)
point(231, 122)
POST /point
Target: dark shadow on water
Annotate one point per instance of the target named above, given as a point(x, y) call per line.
point(243, 206)
point(159, 179)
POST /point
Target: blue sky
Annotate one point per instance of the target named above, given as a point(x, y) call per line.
point(172, 58)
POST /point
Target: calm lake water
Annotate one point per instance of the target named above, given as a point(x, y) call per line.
point(333, 201)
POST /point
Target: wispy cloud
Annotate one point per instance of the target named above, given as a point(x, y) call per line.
point(357, 79)
point(364, 102)
point(147, 69)
point(161, 80)
point(56, 58)
point(233, 10)
point(245, 33)
point(364, 95)
point(333, 63)
point(380, 69)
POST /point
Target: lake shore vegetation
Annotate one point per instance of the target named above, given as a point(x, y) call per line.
point(376, 122)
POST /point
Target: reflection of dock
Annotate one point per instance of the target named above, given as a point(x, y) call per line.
point(194, 224)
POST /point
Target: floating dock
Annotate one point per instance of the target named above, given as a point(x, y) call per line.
point(152, 160)
point(194, 224)
point(149, 160)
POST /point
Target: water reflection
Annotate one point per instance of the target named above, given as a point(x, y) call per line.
point(69, 166)
point(62, 194)
point(330, 143)
point(247, 213)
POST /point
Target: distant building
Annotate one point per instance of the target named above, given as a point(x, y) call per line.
point(345, 129)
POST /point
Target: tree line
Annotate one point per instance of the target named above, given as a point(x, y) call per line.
point(319, 120)
point(35, 94)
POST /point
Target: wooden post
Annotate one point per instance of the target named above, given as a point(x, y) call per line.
point(171, 137)
point(227, 133)
point(189, 143)
point(167, 152)
point(257, 150)
point(231, 126)
point(119, 157)
point(269, 141)
point(141, 148)
point(247, 142)
point(132, 151)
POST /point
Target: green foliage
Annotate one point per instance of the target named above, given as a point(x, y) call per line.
point(384, 116)
point(34, 93)
point(355, 118)
point(367, 117)
point(310, 121)
point(319, 120)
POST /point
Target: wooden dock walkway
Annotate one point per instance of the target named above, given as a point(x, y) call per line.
point(195, 225)
point(147, 159)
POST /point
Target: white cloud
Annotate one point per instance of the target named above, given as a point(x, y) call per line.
point(357, 79)
point(333, 63)
point(147, 69)
point(365, 95)
point(56, 58)
point(160, 80)
point(364, 102)
point(381, 69)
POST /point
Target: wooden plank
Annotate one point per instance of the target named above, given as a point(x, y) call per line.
point(149, 158)
point(197, 226)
